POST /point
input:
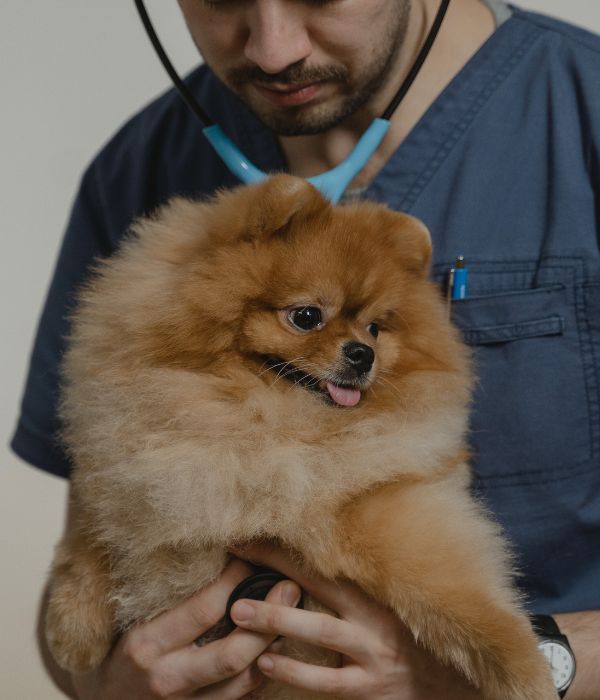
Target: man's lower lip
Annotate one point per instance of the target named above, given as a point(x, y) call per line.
point(291, 98)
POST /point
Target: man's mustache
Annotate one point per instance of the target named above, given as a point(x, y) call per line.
point(297, 74)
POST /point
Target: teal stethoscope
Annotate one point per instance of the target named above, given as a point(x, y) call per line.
point(332, 183)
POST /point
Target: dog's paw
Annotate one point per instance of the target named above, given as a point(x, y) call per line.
point(536, 681)
point(78, 625)
point(79, 621)
point(513, 667)
point(76, 656)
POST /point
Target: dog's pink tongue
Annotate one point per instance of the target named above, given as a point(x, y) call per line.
point(342, 396)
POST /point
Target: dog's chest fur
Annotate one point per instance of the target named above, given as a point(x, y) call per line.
point(204, 469)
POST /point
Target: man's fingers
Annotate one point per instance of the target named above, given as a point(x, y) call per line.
point(186, 622)
point(343, 597)
point(314, 628)
point(190, 668)
point(233, 688)
point(339, 682)
point(219, 661)
point(278, 559)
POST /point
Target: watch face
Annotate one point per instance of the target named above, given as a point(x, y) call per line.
point(561, 662)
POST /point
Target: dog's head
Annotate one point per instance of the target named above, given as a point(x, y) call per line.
point(272, 277)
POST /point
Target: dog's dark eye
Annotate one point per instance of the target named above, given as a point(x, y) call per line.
point(306, 318)
point(373, 329)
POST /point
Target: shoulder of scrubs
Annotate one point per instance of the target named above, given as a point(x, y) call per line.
point(571, 32)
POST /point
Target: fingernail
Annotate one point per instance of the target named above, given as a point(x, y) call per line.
point(265, 663)
point(242, 612)
point(290, 594)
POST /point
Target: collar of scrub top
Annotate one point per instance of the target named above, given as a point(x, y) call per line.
point(332, 183)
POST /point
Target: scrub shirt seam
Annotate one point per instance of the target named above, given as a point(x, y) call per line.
point(539, 477)
point(514, 266)
point(533, 19)
point(595, 349)
point(465, 122)
point(539, 291)
point(506, 332)
point(577, 302)
point(591, 379)
point(585, 351)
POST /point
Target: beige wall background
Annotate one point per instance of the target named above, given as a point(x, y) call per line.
point(71, 72)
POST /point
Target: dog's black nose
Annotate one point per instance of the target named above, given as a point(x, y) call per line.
point(360, 357)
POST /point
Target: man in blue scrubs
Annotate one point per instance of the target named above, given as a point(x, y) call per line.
point(497, 149)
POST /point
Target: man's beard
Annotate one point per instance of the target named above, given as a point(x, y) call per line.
point(355, 92)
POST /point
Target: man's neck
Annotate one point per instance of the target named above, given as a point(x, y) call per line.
point(468, 24)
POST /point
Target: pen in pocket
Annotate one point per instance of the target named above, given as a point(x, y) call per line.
point(458, 281)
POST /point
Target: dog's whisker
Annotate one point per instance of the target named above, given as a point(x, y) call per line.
point(290, 372)
point(304, 364)
point(309, 385)
point(268, 367)
point(283, 372)
point(280, 375)
point(289, 367)
point(277, 376)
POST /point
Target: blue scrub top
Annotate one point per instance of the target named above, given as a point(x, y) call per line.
point(504, 168)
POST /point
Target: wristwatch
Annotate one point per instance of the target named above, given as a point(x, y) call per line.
point(556, 648)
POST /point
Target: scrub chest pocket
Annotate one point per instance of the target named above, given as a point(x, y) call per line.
point(535, 411)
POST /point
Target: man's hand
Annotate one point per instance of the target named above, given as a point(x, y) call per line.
point(159, 659)
point(380, 658)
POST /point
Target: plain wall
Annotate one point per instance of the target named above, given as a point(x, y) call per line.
point(71, 73)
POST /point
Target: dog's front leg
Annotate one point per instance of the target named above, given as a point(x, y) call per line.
point(427, 551)
point(80, 616)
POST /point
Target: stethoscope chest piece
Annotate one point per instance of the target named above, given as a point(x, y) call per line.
point(254, 587)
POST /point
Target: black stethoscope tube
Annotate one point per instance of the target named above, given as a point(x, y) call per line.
point(419, 61)
point(184, 91)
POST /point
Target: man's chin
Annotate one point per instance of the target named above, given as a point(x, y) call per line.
point(301, 127)
point(306, 120)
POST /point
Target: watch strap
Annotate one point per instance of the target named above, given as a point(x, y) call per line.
point(545, 626)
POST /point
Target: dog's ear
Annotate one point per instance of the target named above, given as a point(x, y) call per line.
point(279, 200)
point(262, 210)
point(414, 241)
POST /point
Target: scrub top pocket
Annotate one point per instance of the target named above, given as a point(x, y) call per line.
point(531, 413)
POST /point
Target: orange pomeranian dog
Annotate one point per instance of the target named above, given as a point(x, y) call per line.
point(268, 366)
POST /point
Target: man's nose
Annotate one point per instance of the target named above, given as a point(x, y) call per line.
point(278, 35)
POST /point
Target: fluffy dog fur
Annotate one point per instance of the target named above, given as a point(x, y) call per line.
point(187, 437)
